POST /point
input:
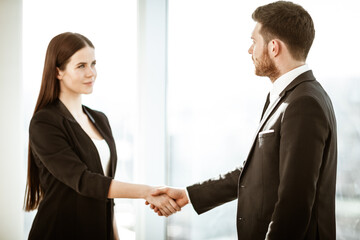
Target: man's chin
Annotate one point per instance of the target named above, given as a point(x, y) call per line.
point(259, 74)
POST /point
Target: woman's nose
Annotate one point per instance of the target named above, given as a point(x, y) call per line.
point(91, 72)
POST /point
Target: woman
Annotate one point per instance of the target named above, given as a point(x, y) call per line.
point(72, 155)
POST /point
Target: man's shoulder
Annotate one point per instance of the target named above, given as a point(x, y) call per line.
point(310, 95)
point(308, 89)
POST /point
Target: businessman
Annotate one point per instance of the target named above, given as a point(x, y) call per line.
point(286, 186)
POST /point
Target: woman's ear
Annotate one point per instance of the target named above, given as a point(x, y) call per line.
point(59, 73)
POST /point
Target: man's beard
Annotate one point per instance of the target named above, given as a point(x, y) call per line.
point(265, 67)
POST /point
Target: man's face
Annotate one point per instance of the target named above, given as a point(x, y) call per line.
point(264, 65)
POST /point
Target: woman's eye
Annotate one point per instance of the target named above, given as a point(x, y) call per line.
point(81, 66)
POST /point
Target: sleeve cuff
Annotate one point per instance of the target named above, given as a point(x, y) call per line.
point(187, 195)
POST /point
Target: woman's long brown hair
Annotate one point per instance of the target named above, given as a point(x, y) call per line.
point(58, 54)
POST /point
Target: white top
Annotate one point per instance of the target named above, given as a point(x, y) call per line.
point(104, 153)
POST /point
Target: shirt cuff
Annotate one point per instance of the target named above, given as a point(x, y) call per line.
point(187, 194)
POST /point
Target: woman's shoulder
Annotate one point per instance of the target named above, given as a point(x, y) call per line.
point(45, 119)
point(54, 114)
point(48, 112)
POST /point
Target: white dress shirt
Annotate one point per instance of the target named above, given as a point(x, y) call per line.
point(282, 82)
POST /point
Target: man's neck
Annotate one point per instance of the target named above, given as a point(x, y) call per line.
point(287, 67)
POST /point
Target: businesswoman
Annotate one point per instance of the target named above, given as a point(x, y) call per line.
point(72, 155)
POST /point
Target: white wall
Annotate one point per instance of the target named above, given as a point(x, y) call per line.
point(11, 143)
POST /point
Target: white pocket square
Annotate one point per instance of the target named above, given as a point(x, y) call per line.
point(266, 132)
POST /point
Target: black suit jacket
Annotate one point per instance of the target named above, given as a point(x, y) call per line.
point(286, 186)
point(75, 204)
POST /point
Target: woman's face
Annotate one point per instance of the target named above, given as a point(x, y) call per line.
point(79, 74)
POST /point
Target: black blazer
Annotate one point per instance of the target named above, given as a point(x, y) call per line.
point(75, 203)
point(286, 186)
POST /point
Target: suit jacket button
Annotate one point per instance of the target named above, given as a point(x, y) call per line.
point(242, 186)
point(240, 219)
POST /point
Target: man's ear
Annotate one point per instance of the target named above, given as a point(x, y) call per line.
point(59, 73)
point(274, 47)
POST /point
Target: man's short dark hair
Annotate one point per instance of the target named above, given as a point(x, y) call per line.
point(288, 22)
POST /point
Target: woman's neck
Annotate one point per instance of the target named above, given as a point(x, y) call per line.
point(73, 104)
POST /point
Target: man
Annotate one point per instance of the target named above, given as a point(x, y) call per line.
point(286, 186)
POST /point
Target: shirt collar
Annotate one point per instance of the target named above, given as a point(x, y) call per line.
point(282, 82)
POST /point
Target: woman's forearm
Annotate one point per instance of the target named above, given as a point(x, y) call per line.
point(166, 205)
point(119, 189)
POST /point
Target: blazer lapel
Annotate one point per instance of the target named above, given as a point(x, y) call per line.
point(107, 139)
point(65, 112)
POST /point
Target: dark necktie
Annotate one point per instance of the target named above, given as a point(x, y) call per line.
point(266, 105)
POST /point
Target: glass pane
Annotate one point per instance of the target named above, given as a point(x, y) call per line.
point(214, 102)
point(341, 79)
point(112, 27)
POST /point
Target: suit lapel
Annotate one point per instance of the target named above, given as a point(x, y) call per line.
point(306, 76)
point(265, 117)
point(265, 106)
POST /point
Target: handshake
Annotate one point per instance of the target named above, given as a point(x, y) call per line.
point(166, 201)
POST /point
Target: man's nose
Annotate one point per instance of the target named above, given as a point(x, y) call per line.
point(250, 51)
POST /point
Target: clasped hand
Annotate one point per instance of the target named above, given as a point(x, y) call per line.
point(166, 201)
